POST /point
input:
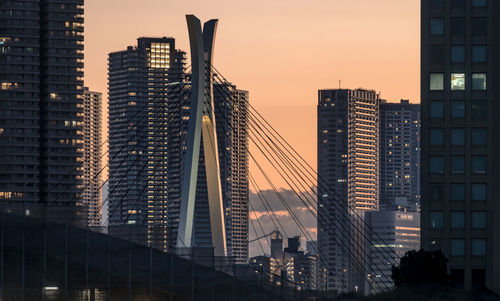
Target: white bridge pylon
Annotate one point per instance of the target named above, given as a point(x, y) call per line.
point(202, 122)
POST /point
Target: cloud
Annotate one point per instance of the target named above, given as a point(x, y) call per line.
point(285, 223)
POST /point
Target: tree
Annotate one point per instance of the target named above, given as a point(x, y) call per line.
point(421, 267)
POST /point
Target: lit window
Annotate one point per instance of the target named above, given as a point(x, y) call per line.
point(457, 247)
point(4, 40)
point(457, 81)
point(437, 81)
point(53, 95)
point(478, 247)
point(479, 81)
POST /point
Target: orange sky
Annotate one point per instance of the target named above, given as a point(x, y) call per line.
point(282, 51)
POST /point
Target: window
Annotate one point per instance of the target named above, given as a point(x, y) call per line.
point(436, 164)
point(478, 164)
point(436, 192)
point(478, 110)
point(457, 27)
point(457, 137)
point(457, 3)
point(437, 26)
point(437, 3)
point(437, 136)
point(457, 164)
point(457, 81)
point(478, 220)
point(457, 278)
point(457, 54)
point(457, 247)
point(478, 3)
point(457, 219)
point(437, 220)
point(479, 54)
point(436, 110)
point(437, 81)
point(436, 54)
point(478, 81)
point(479, 136)
point(479, 247)
point(479, 27)
point(457, 192)
point(479, 192)
point(457, 109)
point(478, 279)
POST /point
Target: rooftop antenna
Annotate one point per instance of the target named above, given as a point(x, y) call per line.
point(340, 83)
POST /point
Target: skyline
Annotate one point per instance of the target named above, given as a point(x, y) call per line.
point(329, 31)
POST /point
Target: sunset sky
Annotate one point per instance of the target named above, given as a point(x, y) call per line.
point(282, 51)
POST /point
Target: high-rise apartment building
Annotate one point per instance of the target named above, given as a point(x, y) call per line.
point(138, 84)
point(348, 161)
point(231, 114)
point(91, 196)
point(149, 94)
point(460, 43)
point(41, 104)
point(399, 154)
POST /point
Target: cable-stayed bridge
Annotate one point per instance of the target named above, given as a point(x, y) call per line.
point(59, 261)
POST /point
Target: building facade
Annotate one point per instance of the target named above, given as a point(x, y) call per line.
point(138, 86)
point(149, 93)
point(460, 164)
point(399, 154)
point(41, 105)
point(396, 232)
point(92, 122)
point(348, 162)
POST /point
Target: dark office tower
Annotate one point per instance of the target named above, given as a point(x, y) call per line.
point(231, 114)
point(138, 79)
point(460, 184)
point(92, 123)
point(41, 104)
point(348, 161)
point(399, 155)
